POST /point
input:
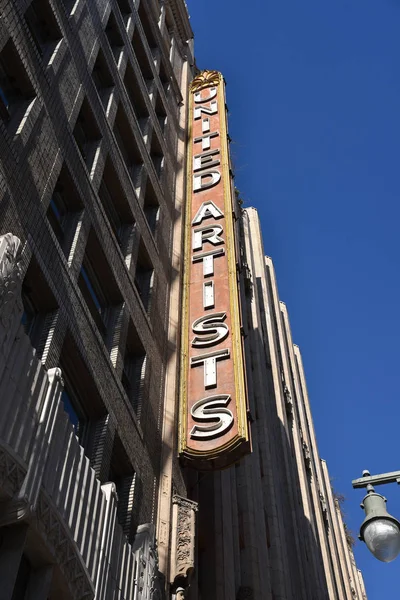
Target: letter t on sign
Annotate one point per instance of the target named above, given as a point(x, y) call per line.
point(210, 365)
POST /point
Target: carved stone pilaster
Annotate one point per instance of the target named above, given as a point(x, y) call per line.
point(10, 276)
point(183, 538)
point(150, 584)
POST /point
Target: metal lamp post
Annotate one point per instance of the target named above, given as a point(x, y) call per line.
point(379, 530)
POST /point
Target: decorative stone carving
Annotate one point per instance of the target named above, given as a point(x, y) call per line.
point(56, 535)
point(149, 579)
point(47, 522)
point(288, 401)
point(205, 79)
point(10, 276)
point(183, 538)
point(307, 456)
point(324, 508)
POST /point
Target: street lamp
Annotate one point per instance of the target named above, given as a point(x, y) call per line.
point(379, 530)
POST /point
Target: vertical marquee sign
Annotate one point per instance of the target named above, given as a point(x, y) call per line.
point(213, 409)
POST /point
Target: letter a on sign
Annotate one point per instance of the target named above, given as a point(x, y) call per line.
point(206, 211)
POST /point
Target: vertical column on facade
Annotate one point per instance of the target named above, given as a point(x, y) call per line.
point(224, 544)
point(362, 585)
point(331, 567)
point(254, 560)
point(291, 532)
point(340, 565)
point(350, 579)
point(340, 551)
point(260, 378)
point(171, 389)
point(297, 470)
point(310, 476)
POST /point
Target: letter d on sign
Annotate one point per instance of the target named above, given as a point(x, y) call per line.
point(215, 418)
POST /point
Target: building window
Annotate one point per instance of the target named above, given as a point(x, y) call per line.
point(86, 133)
point(165, 79)
point(16, 91)
point(114, 37)
point(136, 97)
point(125, 10)
point(115, 203)
point(151, 207)
point(141, 57)
point(124, 477)
point(134, 370)
point(161, 113)
point(93, 294)
point(157, 155)
point(80, 397)
point(73, 407)
point(147, 26)
point(128, 146)
point(98, 286)
point(39, 306)
point(43, 26)
point(102, 77)
point(64, 210)
point(144, 277)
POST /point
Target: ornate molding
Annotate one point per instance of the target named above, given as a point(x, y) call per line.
point(47, 522)
point(64, 549)
point(183, 538)
point(10, 275)
point(205, 79)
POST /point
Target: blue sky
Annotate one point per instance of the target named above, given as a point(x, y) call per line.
point(314, 99)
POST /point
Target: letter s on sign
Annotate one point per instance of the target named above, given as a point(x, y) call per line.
point(215, 418)
point(211, 328)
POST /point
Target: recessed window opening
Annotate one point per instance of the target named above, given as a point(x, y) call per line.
point(86, 132)
point(151, 207)
point(97, 284)
point(114, 37)
point(43, 26)
point(157, 155)
point(115, 203)
point(64, 209)
point(144, 276)
point(135, 95)
point(16, 90)
point(102, 77)
point(164, 78)
point(124, 477)
point(161, 113)
point(147, 28)
point(141, 56)
point(39, 305)
point(125, 10)
point(80, 396)
point(127, 144)
point(134, 370)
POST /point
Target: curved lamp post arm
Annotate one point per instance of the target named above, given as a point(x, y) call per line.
point(367, 479)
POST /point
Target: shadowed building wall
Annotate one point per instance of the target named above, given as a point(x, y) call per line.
point(270, 527)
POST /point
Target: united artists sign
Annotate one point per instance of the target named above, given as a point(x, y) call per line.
point(213, 430)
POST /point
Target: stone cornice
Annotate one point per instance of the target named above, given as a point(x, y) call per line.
point(181, 16)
